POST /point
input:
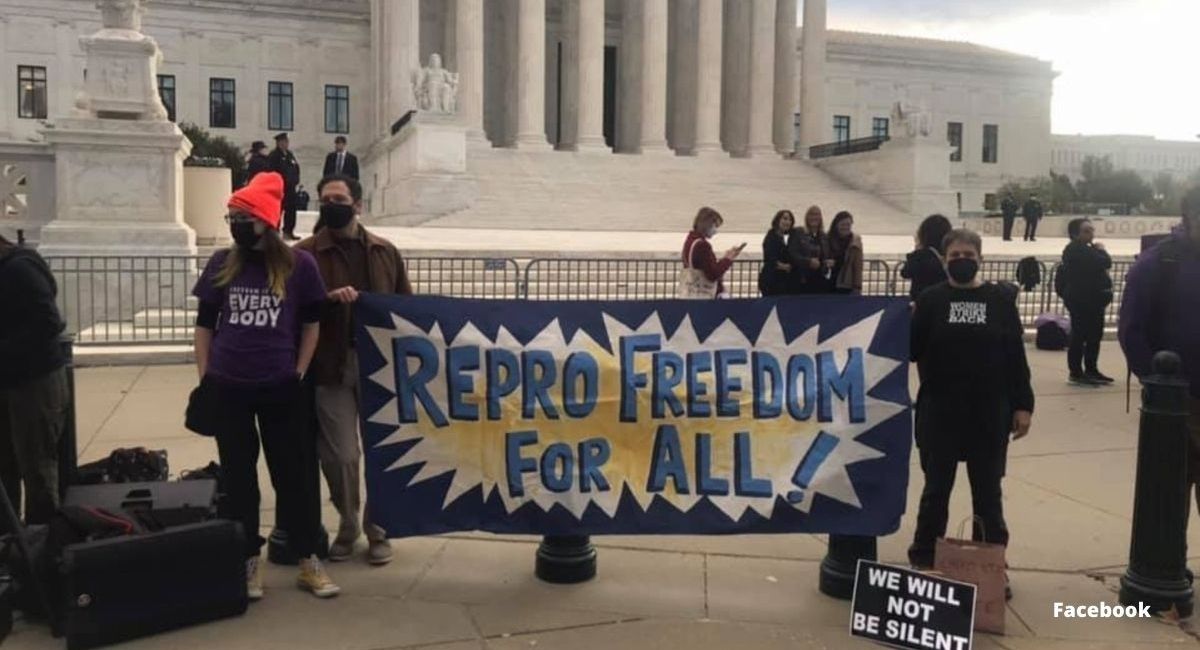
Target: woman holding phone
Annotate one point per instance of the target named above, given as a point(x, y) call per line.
point(702, 271)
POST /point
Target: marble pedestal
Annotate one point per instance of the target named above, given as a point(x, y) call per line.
point(910, 174)
point(119, 189)
point(418, 173)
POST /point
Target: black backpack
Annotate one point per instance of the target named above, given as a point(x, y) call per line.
point(1060, 281)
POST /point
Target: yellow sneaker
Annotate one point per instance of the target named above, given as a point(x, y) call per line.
point(313, 579)
point(254, 582)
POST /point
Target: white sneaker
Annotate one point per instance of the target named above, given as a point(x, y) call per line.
point(254, 583)
point(313, 579)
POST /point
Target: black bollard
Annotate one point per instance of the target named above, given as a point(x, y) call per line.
point(841, 563)
point(566, 559)
point(1157, 573)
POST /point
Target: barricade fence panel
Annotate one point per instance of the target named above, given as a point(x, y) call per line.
point(123, 300)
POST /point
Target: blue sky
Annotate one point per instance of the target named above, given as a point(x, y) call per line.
point(1122, 63)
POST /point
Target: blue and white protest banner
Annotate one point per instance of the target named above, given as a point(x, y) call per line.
point(655, 417)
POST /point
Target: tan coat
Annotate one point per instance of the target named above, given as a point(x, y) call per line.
point(386, 274)
point(851, 275)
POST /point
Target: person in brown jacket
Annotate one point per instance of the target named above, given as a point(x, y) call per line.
point(351, 260)
point(846, 250)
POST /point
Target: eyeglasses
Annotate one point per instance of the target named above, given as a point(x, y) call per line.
point(238, 218)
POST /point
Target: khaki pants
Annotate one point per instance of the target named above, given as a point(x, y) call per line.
point(32, 419)
point(340, 452)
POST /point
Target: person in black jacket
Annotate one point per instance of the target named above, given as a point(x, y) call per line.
point(284, 163)
point(777, 267)
point(975, 392)
point(1087, 292)
point(808, 248)
point(340, 162)
point(258, 161)
point(923, 267)
point(33, 382)
point(1008, 207)
point(1032, 213)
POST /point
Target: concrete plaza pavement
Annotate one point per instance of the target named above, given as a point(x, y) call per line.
point(1068, 499)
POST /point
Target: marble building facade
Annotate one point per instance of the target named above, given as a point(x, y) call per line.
point(652, 77)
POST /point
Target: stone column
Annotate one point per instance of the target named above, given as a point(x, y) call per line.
point(401, 37)
point(814, 129)
point(708, 78)
point(761, 98)
point(589, 40)
point(531, 75)
point(468, 40)
point(654, 76)
point(787, 94)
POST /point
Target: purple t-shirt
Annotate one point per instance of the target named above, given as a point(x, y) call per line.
point(258, 334)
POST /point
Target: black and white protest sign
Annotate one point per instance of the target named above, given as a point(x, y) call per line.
point(908, 609)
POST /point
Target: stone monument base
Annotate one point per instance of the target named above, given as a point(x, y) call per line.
point(119, 189)
point(418, 173)
point(910, 174)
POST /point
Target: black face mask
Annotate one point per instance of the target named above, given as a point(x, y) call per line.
point(962, 270)
point(336, 215)
point(243, 234)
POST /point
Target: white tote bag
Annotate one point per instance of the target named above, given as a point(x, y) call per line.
point(693, 284)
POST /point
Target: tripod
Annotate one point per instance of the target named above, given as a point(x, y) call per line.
point(13, 524)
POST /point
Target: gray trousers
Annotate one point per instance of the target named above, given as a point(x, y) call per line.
point(32, 418)
point(340, 452)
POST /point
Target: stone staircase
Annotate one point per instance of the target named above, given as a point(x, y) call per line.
point(524, 190)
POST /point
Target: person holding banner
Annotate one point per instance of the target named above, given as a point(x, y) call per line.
point(967, 341)
point(776, 268)
point(256, 331)
point(698, 256)
point(351, 260)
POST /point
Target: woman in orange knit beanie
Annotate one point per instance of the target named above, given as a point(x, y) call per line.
point(256, 331)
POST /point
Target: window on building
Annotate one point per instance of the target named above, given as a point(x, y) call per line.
point(31, 92)
point(841, 128)
point(337, 109)
point(991, 143)
point(954, 135)
point(279, 106)
point(879, 127)
point(989, 202)
point(222, 103)
point(166, 92)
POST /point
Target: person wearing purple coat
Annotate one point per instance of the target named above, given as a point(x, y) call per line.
point(1161, 311)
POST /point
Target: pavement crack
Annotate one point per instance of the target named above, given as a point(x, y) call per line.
point(111, 413)
point(566, 628)
point(706, 585)
point(425, 571)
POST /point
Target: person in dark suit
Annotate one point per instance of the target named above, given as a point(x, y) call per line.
point(340, 162)
point(776, 270)
point(1008, 207)
point(258, 161)
point(284, 163)
point(1032, 212)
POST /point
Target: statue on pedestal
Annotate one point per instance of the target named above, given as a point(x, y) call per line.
point(436, 88)
point(911, 120)
point(121, 14)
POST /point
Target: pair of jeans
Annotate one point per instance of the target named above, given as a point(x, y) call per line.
point(33, 416)
point(985, 469)
point(278, 418)
point(1087, 330)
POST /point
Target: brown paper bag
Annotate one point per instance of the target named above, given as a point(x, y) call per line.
point(982, 565)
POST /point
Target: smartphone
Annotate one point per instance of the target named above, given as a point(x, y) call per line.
point(742, 246)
